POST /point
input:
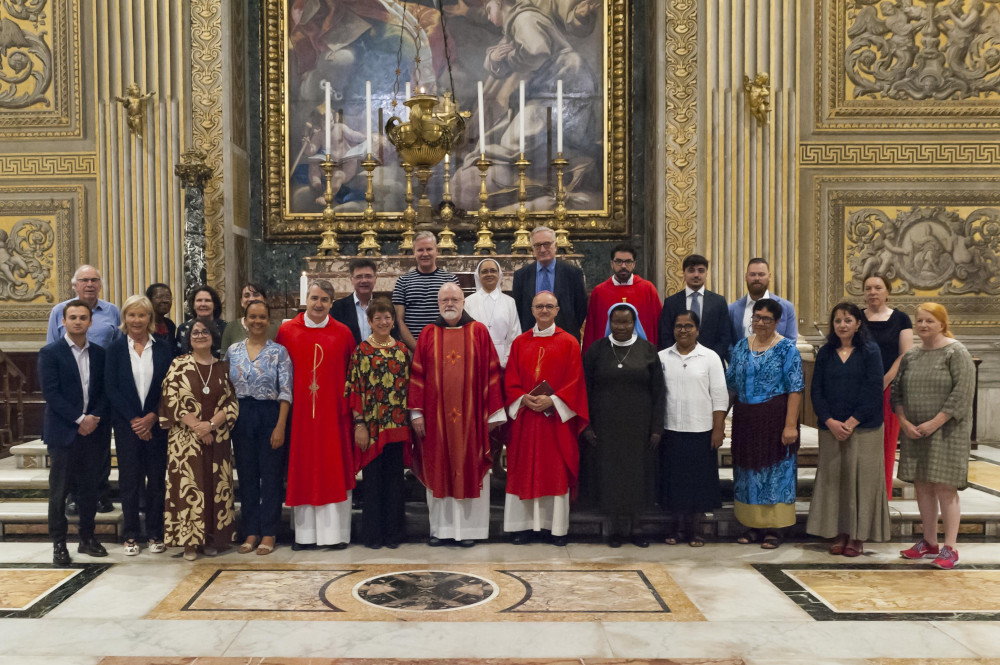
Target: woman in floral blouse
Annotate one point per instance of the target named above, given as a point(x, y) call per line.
point(376, 389)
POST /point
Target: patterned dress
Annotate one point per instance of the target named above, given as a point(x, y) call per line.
point(376, 388)
point(199, 506)
point(930, 382)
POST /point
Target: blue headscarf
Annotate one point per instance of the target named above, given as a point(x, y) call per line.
point(638, 325)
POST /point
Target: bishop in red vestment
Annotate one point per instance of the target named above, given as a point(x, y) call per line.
point(320, 463)
point(543, 456)
point(622, 286)
point(455, 398)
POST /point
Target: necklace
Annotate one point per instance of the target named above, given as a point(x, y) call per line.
point(204, 382)
point(381, 345)
point(758, 354)
point(622, 359)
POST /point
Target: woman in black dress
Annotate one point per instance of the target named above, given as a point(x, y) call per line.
point(625, 393)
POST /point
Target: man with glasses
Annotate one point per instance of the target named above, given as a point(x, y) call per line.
point(716, 330)
point(758, 279)
point(623, 286)
point(352, 310)
point(548, 274)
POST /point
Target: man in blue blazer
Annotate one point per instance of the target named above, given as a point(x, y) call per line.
point(548, 274)
point(715, 331)
point(71, 371)
point(758, 278)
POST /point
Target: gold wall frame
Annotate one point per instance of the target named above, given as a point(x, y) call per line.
point(285, 223)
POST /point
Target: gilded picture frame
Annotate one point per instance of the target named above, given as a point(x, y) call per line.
point(347, 42)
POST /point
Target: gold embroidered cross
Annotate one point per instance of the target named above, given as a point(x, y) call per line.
point(453, 356)
point(455, 415)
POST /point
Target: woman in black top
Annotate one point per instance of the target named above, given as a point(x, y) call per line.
point(204, 304)
point(849, 501)
point(892, 331)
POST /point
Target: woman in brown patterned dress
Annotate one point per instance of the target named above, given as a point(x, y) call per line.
point(199, 408)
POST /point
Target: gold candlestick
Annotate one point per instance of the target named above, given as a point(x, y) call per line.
point(328, 246)
point(522, 237)
point(369, 239)
point(410, 214)
point(484, 243)
point(446, 239)
point(563, 244)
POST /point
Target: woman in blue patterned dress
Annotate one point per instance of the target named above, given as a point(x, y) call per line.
point(261, 372)
point(765, 379)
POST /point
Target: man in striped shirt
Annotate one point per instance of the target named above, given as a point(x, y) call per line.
point(415, 295)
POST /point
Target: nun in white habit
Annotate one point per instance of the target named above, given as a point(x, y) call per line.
point(494, 309)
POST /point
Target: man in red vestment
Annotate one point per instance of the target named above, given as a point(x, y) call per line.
point(455, 398)
point(320, 462)
point(543, 458)
point(622, 286)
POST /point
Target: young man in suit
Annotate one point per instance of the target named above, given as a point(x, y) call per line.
point(71, 371)
point(352, 310)
point(716, 331)
point(548, 274)
point(758, 279)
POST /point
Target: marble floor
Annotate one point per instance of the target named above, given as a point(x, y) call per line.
point(503, 605)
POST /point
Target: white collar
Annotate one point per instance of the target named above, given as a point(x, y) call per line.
point(767, 294)
point(614, 280)
point(548, 332)
point(149, 341)
point(698, 350)
point(688, 291)
point(629, 342)
point(311, 324)
point(493, 295)
point(72, 344)
point(357, 301)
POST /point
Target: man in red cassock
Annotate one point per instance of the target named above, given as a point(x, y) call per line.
point(320, 462)
point(455, 399)
point(622, 286)
point(543, 457)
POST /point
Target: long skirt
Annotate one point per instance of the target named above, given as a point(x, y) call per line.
point(849, 496)
point(689, 472)
point(890, 438)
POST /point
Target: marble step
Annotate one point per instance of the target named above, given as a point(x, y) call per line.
point(34, 454)
point(37, 512)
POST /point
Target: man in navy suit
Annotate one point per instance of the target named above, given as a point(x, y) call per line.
point(547, 274)
point(71, 370)
point(758, 279)
point(352, 310)
point(715, 331)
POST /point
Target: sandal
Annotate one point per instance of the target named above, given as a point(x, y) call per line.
point(264, 548)
point(838, 546)
point(248, 546)
point(854, 548)
point(674, 538)
point(696, 541)
point(190, 552)
point(130, 547)
point(749, 536)
point(772, 541)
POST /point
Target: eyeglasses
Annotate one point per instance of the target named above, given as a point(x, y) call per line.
point(544, 308)
point(88, 280)
point(623, 262)
point(543, 245)
point(767, 320)
point(200, 333)
point(684, 326)
point(489, 271)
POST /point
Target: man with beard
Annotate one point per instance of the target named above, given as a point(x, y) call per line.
point(758, 278)
point(623, 286)
point(455, 399)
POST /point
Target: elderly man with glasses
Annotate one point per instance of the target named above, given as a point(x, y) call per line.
point(545, 273)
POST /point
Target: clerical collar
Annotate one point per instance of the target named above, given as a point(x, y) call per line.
point(548, 332)
point(629, 342)
point(464, 320)
point(312, 324)
point(614, 280)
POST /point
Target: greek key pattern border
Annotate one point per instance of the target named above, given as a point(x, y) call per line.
point(900, 154)
point(30, 165)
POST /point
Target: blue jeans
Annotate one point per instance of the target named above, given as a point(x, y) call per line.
point(259, 467)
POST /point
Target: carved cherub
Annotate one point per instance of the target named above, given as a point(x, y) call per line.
point(134, 103)
point(758, 95)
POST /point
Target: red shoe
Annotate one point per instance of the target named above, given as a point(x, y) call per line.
point(922, 550)
point(947, 559)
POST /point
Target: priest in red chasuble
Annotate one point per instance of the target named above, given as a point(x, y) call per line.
point(547, 399)
point(455, 398)
point(622, 286)
point(320, 459)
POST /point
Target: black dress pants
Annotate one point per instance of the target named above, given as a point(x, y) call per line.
point(80, 463)
point(383, 518)
point(142, 477)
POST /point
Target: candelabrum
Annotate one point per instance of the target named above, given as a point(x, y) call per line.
point(328, 245)
point(369, 239)
point(563, 244)
point(522, 237)
point(446, 239)
point(410, 214)
point(484, 243)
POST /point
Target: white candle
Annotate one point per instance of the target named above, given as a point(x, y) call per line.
point(521, 117)
point(303, 288)
point(482, 122)
point(407, 90)
point(559, 116)
point(326, 115)
point(368, 117)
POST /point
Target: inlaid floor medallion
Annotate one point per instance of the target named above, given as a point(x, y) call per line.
point(425, 591)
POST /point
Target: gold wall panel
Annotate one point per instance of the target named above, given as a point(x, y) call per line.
point(904, 65)
point(238, 72)
point(40, 90)
point(958, 154)
point(41, 236)
point(33, 165)
point(938, 238)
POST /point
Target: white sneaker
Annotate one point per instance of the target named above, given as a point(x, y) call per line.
point(157, 547)
point(130, 548)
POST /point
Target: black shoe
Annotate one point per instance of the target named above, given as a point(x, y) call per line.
point(298, 547)
point(435, 542)
point(91, 547)
point(615, 541)
point(60, 555)
point(105, 506)
point(559, 541)
point(638, 540)
point(71, 508)
point(392, 544)
point(338, 546)
point(373, 546)
point(520, 538)
point(466, 543)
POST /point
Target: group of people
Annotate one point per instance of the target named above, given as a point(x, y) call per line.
point(442, 384)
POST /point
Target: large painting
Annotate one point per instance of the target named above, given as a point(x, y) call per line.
point(583, 43)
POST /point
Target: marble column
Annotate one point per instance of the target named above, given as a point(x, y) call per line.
point(194, 173)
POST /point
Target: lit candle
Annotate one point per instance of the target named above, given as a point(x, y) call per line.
point(482, 122)
point(521, 116)
point(326, 115)
point(303, 288)
point(368, 117)
point(559, 116)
